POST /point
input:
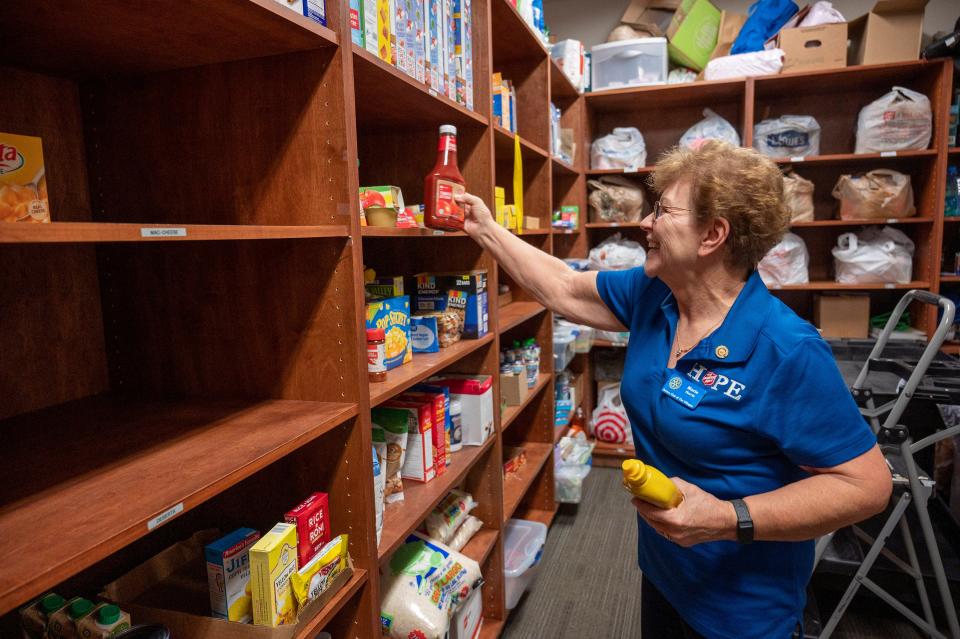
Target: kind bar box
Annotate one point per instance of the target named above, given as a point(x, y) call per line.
point(273, 560)
point(228, 575)
point(312, 518)
point(464, 292)
point(23, 182)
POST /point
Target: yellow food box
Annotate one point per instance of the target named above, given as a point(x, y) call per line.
point(23, 181)
point(273, 561)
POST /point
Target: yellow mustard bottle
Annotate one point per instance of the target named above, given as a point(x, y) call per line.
point(650, 485)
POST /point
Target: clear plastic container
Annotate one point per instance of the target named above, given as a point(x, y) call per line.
point(584, 341)
point(563, 350)
point(522, 546)
point(629, 63)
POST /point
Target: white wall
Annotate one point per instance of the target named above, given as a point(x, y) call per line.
point(591, 20)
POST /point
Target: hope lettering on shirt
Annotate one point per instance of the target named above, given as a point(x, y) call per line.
point(716, 381)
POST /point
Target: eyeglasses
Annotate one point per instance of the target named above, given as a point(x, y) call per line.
point(659, 209)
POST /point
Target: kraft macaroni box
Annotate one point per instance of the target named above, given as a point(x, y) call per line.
point(313, 9)
point(273, 560)
point(228, 575)
point(463, 292)
point(23, 181)
point(392, 314)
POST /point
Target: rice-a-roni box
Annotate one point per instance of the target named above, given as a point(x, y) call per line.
point(273, 560)
point(392, 314)
point(23, 180)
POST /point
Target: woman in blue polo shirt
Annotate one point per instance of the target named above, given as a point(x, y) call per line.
point(728, 392)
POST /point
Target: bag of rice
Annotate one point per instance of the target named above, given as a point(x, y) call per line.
point(423, 585)
point(444, 520)
point(465, 532)
point(390, 440)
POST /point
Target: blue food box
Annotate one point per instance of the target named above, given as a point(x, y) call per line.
point(228, 574)
point(463, 292)
point(423, 334)
point(392, 314)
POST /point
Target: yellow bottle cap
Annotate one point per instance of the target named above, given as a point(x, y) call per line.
point(633, 469)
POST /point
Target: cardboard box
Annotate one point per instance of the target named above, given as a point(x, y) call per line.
point(475, 394)
point(23, 180)
point(464, 292)
point(890, 32)
point(419, 462)
point(449, 50)
point(312, 519)
point(392, 314)
point(433, 44)
point(463, 10)
point(168, 589)
point(437, 403)
point(497, 92)
point(649, 17)
point(842, 315)
point(814, 48)
point(513, 389)
point(228, 573)
point(356, 22)
point(273, 560)
point(370, 37)
point(693, 33)
point(406, 37)
point(316, 10)
point(531, 223)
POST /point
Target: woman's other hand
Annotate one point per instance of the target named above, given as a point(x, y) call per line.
point(699, 518)
point(476, 214)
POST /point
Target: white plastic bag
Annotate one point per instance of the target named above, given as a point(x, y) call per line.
point(711, 127)
point(786, 263)
point(447, 516)
point(465, 532)
point(610, 422)
point(822, 12)
point(622, 149)
point(899, 120)
point(876, 255)
point(787, 136)
point(798, 196)
point(616, 254)
point(743, 65)
point(881, 193)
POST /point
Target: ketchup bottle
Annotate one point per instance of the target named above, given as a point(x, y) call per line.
point(443, 182)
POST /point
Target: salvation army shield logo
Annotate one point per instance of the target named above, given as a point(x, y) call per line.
point(675, 383)
point(709, 378)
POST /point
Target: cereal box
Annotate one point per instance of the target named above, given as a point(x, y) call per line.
point(433, 42)
point(356, 22)
point(228, 574)
point(370, 26)
point(420, 51)
point(406, 37)
point(23, 181)
point(316, 10)
point(464, 51)
point(312, 517)
point(392, 314)
point(386, 44)
point(438, 404)
point(449, 50)
point(273, 560)
point(451, 445)
point(419, 463)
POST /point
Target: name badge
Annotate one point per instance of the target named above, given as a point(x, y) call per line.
point(682, 391)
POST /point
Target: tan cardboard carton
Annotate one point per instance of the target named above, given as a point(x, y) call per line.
point(890, 32)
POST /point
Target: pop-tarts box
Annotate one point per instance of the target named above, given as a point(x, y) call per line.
point(465, 292)
point(392, 314)
point(449, 49)
point(433, 41)
point(228, 575)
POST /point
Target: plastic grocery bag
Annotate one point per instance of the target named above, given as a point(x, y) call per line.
point(615, 199)
point(711, 127)
point(899, 120)
point(822, 12)
point(881, 193)
point(616, 254)
point(787, 136)
point(622, 149)
point(786, 263)
point(798, 196)
point(743, 65)
point(610, 422)
point(876, 255)
point(422, 586)
point(572, 464)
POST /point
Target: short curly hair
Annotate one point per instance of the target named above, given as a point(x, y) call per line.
point(737, 184)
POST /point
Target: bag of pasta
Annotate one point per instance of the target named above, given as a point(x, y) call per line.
point(881, 193)
point(615, 199)
point(798, 196)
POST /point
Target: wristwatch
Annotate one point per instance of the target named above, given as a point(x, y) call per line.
point(744, 522)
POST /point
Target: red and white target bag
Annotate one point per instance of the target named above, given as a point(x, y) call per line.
point(610, 422)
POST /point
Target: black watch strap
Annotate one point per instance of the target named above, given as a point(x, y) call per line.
point(744, 522)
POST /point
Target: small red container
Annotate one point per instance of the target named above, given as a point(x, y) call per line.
point(312, 518)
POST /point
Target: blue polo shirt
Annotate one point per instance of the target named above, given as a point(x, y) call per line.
point(755, 401)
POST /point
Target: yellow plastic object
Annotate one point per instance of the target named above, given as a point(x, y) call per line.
point(518, 182)
point(650, 485)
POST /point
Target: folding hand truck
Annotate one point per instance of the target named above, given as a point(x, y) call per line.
point(909, 485)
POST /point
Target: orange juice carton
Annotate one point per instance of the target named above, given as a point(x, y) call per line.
point(106, 621)
point(228, 575)
point(419, 464)
point(34, 617)
point(273, 560)
point(23, 181)
point(312, 518)
point(63, 623)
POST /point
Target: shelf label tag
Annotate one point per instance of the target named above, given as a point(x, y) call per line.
point(633, 168)
point(437, 232)
point(173, 231)
point(614, 223)
point(892, 220)
point(888, 285)
point(432, 92)
point(165, 516)
point(888, 154)
point(797, 158)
